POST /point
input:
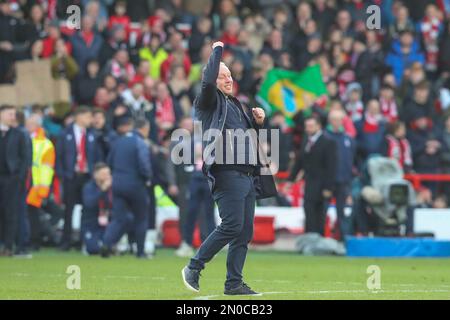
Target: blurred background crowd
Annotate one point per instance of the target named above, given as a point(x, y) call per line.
point(388, 90)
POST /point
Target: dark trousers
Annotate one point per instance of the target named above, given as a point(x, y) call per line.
point(341, 193)
point(151, 208)
point(182, 203)
point(73, 190)
point(92, 238)
point(35, 216)
point(235, 195)
point(10, 186)
point(129, 213)
point(199, 198)
point(23, 223)
point(315, 208)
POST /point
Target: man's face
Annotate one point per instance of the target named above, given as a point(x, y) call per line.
point(122, 57)
point(162, 92)
point(400, 132)
point(102, 175)
point(98, 120)
point(406, 39)
point(84, 120)
point(344, 19)
point(8, 117)
point(33, 123)
point(336, 120)
point(373, 108)
point(145, 131)
point(87, 24)
point(421, 95)
point(224, 80)
point(311, 127)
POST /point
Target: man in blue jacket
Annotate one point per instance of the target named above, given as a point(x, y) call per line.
point(403, 53)
point(77, 152)
point(129, 160)
point(232, 181)
point(345, 150)
point(97, 205)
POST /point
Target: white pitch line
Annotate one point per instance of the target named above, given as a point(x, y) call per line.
point(330, 292)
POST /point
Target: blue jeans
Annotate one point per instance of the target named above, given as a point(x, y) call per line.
point(235, 195)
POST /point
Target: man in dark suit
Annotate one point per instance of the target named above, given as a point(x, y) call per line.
point(13, 168)
point(129, 160)
point(232, 172)
point(317, 161)
point(77, 152)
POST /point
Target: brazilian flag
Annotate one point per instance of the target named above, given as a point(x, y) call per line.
point(289, 91)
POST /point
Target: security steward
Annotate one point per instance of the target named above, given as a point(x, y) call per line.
point(129, 160)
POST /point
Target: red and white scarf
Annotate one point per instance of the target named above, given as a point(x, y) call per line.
point(389, 109)
point(355, 110)
point(400, 150)
point(430, 33)
point(119, 71)
point(371, 123)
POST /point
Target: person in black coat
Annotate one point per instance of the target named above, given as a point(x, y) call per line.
point(236, 182)
point(14, 163)
point(86, 86)
point(318, 162)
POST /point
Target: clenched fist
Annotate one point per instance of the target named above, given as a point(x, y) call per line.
point(259, 115)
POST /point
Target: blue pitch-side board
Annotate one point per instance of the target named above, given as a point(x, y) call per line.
point(397, 247)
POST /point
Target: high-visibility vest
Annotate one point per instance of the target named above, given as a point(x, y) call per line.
point(42, 169)
point(162, 199)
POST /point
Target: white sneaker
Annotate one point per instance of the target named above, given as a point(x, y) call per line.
point(184, 251)
point(123, 247)
point(150, 242)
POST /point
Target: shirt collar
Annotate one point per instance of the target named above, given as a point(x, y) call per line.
point(316, 136)
point(77, 128)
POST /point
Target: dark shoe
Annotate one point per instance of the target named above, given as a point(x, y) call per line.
point(242, 290)
point(105, 252)
point(64, 247)
point(191, 278)
point(144, 256)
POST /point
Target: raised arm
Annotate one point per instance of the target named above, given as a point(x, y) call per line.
point(207, 96)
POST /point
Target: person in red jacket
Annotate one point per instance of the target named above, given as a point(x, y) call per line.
point(120, 17)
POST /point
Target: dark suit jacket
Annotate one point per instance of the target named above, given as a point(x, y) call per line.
point(66, 152)
point(319, 164)
point(17, 153)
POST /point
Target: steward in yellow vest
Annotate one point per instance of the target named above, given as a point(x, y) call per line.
point(42, 168)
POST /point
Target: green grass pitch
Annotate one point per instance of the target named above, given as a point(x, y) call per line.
point(276, 275)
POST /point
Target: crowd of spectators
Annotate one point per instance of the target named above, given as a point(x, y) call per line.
point(144, 58)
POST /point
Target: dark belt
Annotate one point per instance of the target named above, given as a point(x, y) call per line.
point(242, 168)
